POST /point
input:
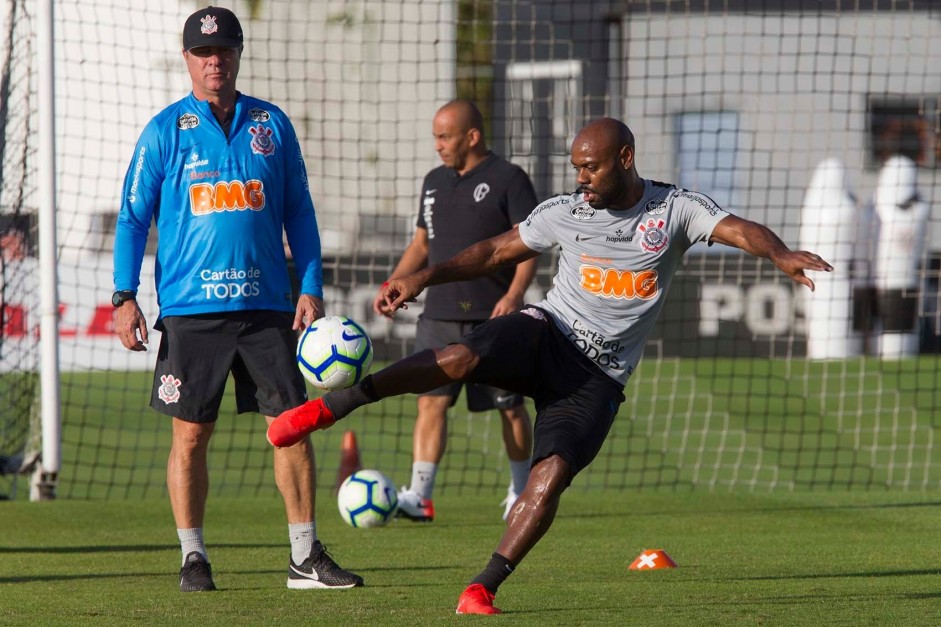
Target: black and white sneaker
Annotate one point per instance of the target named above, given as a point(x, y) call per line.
point(320, 571)
point(196, 574)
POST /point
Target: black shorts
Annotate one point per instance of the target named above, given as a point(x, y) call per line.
point(576, 402)
point(197, 353)
point(438, 333)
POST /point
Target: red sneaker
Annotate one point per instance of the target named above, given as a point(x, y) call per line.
point(414, 507)
point(291, 426)
point(476, 600)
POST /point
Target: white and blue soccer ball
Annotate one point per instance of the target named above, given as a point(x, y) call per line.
point(367, 499)
point(334, 352)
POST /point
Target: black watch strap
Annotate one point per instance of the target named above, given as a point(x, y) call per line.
point(122, 296)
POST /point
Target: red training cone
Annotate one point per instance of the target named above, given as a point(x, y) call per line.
point(652, 559)
point(349, 459)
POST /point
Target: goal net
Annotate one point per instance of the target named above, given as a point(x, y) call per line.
point(817, 118)
point(19, 279)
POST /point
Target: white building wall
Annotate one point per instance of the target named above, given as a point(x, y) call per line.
point(799, 83)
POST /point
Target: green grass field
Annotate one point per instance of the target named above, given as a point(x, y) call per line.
point(782, 559)
point(690, 424)
point(789, 493)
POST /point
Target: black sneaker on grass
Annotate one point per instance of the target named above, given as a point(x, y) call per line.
point(320, 571)
point(196, 574)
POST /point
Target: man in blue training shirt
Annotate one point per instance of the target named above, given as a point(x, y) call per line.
point(223, 176)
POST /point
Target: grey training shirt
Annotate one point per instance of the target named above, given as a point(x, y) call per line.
point(615, 266)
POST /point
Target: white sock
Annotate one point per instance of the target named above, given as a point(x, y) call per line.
point(423, 478)
point(192, 540)
point(519, 473)
point(303, 536)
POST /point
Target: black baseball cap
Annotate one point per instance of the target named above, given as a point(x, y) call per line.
point(212, 26)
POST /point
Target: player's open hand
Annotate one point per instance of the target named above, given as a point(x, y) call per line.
point(793, 264)
point(507, 304)
point(309, 308)
point(397, 293)
point(131, 326)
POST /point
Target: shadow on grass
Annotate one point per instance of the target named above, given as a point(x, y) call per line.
point(230, 573)
point(124, 548)
point(751, 509)
point(771, 601)
point(798, 600)
point(867, 574)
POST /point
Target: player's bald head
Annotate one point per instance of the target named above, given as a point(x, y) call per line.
point(605, 138)
point(458, 128)
point(603, 157)
point(464, 114)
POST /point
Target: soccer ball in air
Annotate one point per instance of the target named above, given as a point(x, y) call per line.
point(367, 499)
point(334, 353)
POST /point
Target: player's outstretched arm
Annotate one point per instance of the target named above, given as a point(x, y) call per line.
point(474, 261)
point(760, 241)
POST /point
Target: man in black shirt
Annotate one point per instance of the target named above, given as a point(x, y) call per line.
point(473, 196)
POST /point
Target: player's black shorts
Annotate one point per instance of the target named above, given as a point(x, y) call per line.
point(197, 353)
point(438, 333)
point(575, 401)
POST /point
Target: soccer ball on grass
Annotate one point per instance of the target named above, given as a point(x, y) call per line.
point(334, 353)
point(367, 499)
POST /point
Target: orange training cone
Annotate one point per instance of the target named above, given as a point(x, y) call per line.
point(652, 559)
point(349, 459)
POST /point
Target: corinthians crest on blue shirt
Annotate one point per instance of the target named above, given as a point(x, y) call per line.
point(262, 144)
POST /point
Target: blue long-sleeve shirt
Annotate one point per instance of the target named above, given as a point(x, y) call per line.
point(221, 205)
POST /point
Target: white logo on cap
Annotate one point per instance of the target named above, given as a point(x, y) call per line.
point(209, 25)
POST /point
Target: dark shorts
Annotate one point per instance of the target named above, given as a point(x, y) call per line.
point(575, 401)
point(197, 353)
point(438, 333)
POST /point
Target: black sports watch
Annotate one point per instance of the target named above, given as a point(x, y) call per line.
point(122, 296)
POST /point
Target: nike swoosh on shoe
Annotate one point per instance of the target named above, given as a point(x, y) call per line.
point(312, 575)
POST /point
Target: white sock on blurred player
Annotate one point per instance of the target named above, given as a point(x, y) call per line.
point(519, 473)
point(423, 478)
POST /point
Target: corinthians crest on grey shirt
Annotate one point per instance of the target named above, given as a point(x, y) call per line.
point(615, 266)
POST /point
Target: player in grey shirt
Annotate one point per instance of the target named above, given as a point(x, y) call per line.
point(616, 265)
point(621, 238)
